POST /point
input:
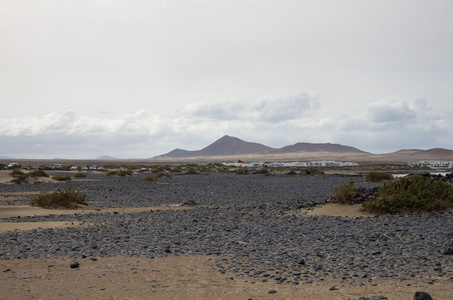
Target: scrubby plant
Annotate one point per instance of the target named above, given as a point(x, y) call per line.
point(411, 193)
point(149, 179)
point(177, 169)
point(124, 172)
point(18, 176)
point(120, 173)
point(345, 192)
point(160, 174)
point(80, 175)
point(376, 176)
point(38, 173)
point(68, 198)
point(241, 171)
point(61, 178)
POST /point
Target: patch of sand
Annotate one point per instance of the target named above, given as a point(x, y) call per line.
point(27, 211)
point(4, 227)
point(175, 278)
point(344, 210)
point(339, 210)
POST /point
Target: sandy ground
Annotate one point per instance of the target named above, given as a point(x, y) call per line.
point(173, 278)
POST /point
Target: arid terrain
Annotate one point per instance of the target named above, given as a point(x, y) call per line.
point(216, 236)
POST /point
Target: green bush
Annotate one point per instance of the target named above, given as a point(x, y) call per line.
point(80, 175)
point(61, 178)
point(150, 179)
point(345, 192)
point(59, 199)
point(411, 193)
point(375, 176)
point(111, 173)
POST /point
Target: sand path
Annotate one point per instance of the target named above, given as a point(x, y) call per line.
point(173, 278)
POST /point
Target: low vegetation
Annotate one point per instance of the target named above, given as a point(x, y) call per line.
point(120, 173)
point(376, 176)
point(161, 174)
point(61, 178)
point(19, 176)
point(411, 193)
point(80, 175)
point(149, 179)
point(345, 192)
point(68, 198)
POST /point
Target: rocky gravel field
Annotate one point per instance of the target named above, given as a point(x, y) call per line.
point(246, 222)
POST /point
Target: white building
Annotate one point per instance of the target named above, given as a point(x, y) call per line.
point(317, 164)
point(434, 164)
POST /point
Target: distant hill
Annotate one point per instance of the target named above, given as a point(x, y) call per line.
point(326, 147)
point(224, 146)
point(430, 154)
point(6, 157)
point(106, 157)
point(232, 146)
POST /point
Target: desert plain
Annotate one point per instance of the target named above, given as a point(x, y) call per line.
point(216, 236)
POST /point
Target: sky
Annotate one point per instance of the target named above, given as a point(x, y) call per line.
point(136, 78)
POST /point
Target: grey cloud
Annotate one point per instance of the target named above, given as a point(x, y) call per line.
point(221, 111)
point(280, 109)
point(390, 112)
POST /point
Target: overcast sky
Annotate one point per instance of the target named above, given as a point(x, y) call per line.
point(135, 79)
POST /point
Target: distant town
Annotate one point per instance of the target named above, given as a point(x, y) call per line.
point(433, 164)
point(290, 164)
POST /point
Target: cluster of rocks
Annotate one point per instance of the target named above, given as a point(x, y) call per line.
point(245, 222)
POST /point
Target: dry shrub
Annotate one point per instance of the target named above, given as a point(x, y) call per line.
point(375, 176)
point(61, 178)
point(149, 179)
point(80, 175)
point(59, 199)
point(345, 192)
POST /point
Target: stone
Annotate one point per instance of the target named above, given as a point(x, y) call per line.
point(74, 265)
point(449, 251)
point(422, 296)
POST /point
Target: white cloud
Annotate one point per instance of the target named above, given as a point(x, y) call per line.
point(383, 126)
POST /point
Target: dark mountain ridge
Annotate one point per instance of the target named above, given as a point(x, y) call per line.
point(231, 146)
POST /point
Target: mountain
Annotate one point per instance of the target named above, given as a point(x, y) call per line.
point(106, 157)
point(232, 146)
point(224, 146)
point(229, 145)
point(326, 147)
point(430, 154)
